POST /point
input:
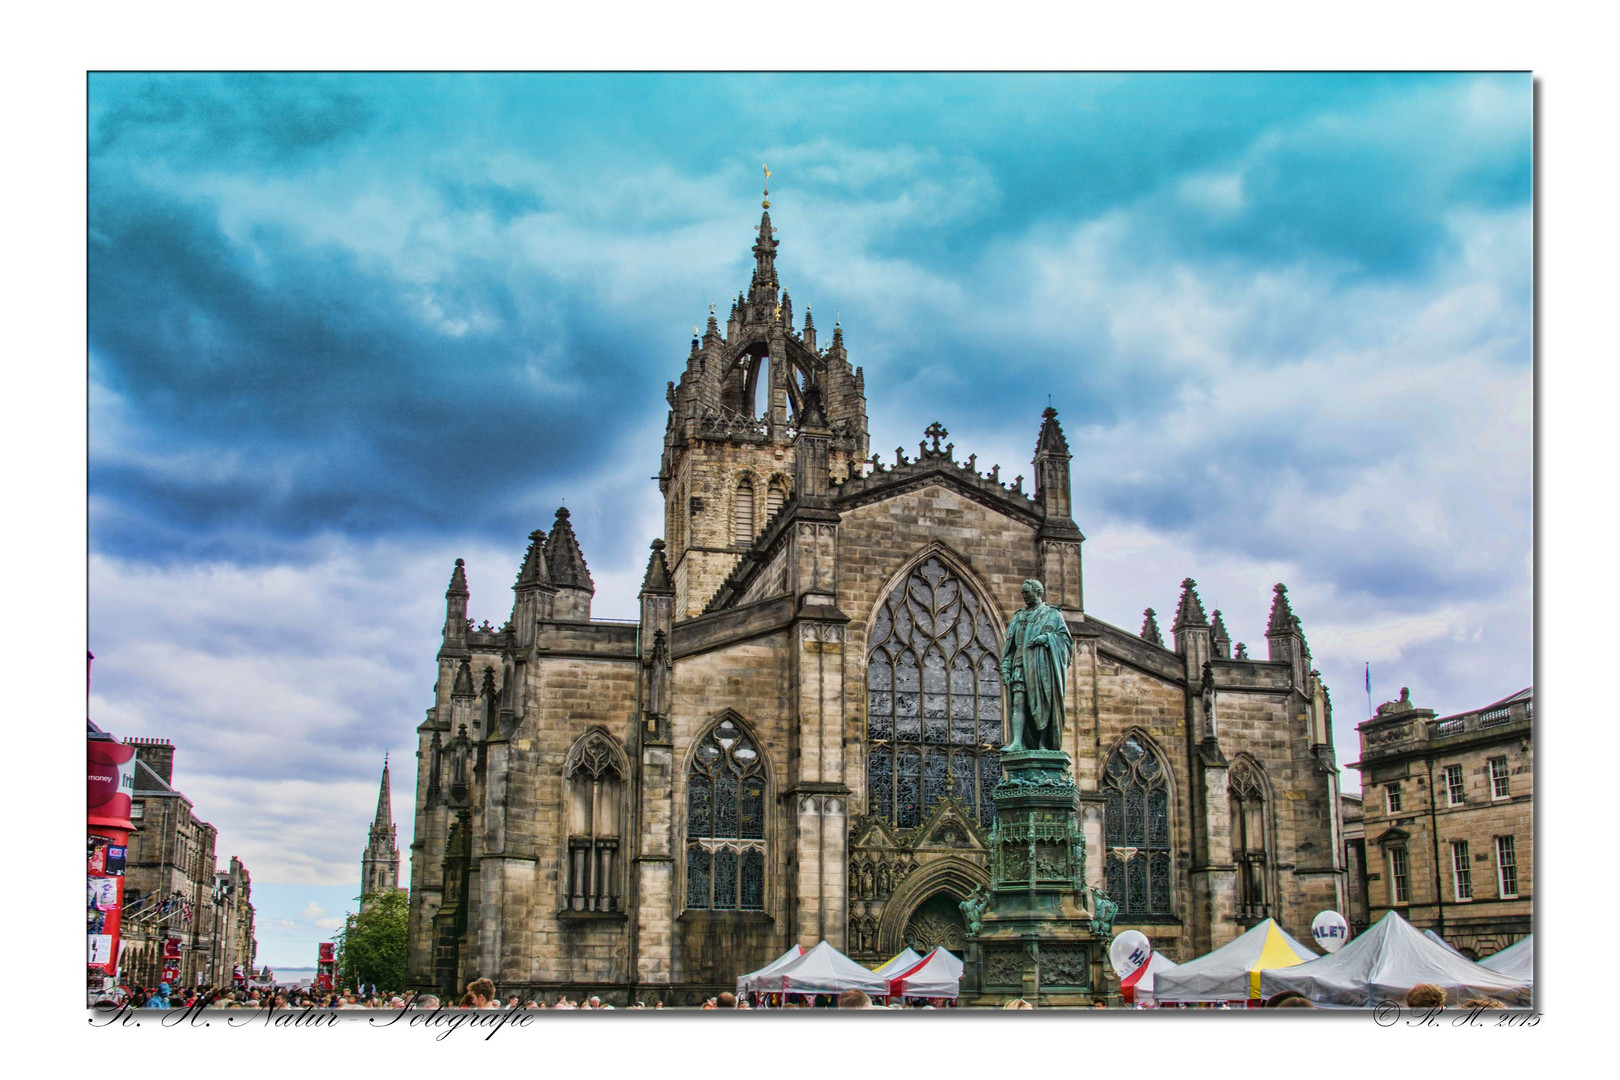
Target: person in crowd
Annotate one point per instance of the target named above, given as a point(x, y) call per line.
point(159, 1000)
point(709, 1003)
point(1289, 999)
point(854, 999)
point(1018, 1003)
point(1483, 1003)
point(482, 992)
point(1425, 996)
point(726, 1000)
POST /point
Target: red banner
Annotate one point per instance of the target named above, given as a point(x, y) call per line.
point(110, 776)
point(171, 948)
point(328, 951)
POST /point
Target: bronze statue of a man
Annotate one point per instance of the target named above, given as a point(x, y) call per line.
point(1034, 669)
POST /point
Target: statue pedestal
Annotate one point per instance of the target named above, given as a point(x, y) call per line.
point(1030, 934)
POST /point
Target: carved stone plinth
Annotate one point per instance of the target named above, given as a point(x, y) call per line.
point(1030, 934)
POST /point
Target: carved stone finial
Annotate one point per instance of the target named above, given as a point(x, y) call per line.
point(935, 431)
point(1150, 628)
point(1190, 612)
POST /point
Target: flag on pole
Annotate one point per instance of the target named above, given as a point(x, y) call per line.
point(1369, 677)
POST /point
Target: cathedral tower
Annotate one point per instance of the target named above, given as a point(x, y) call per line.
point(734, 417)
point(379, 866)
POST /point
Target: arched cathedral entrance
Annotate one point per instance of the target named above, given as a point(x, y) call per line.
point(937, 921)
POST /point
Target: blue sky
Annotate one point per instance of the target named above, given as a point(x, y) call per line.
point(345, 329)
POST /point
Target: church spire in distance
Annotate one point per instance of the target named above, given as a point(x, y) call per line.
point(379, 865)
point(385, 802)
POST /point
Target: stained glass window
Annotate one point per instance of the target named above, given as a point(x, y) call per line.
point(932, 684)
point(1136, 830)
point(725, 823)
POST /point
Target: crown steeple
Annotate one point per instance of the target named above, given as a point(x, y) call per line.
point(752, 386)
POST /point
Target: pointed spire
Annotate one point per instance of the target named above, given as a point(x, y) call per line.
point(1190, 613)
point(656, 580)
point(1051, 439)
point(385, 801)
point(1150, 629)
point(458, 581)
point(1219, 638)
point(764, 259)
point(1282, 616)
point(813, 413)
point(533, 571)
point(564, 560)
point(463, 686)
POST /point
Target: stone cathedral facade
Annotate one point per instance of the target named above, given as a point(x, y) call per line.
point(797, 739)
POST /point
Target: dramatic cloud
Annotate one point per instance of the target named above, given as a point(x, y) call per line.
point(345, 329)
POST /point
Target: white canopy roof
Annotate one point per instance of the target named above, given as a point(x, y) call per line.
point(1432, 936)
point(1517, 961)
point(1386, 961)
point(939, 974)
point(824, 970)
point(1225, 974)
point(749, 981)
point(907, 959)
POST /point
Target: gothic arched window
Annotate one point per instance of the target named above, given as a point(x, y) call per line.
point(933, 699)
point(595, 778)
point(1246, 792)
point(1136, 830)
point(725, 823)
point(742, 521)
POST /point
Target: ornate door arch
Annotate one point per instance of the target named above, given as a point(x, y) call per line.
point(937, 921)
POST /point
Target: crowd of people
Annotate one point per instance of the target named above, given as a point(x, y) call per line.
point(480, 994)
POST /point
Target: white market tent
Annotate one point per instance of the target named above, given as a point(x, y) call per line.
point(824, 970)
point(1232, 972)
point(906, 959)
point(1432, 936)
point(937, 975)
point(1517, 961)
point(1386, 961)
point(1137, 987)
point(757, 980)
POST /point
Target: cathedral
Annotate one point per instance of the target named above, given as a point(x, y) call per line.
point(798, 737)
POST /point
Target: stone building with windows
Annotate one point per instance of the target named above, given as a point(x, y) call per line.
point(797, 738)
point(1448, 816)
point(237, 948)
point(172, 891)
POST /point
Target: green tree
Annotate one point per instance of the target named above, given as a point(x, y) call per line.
point(371, 947)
